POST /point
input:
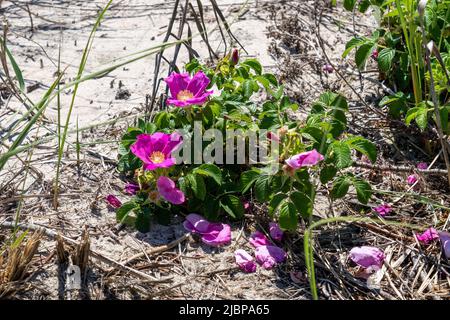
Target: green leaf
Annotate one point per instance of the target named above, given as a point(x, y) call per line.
point(124, 210)
point(363, 6)
point(210, 170)
point(254, 64)
point(211, 209)
point(419, 114)
point(342, 154)
point(340, 187)
point(233, 206)
point(16, 68)
point(349, 4)
point(142, 222)
point(303, 203)
point(363, 190)
point(364, 146)
point(247, 180)
point(363, 53)
point(327, 173)
point(197, 185)
point(288, 218)
point(385, 58)
point(275, 203)
point(354, 42)
point(262, 188)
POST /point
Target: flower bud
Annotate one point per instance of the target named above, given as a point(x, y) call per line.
point(235, 57)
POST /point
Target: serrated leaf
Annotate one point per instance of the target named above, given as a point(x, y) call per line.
point(363, 53)
point(124, 210)
point(233, 206)
point(210, 170)
point(327, 173)
point(363, 190)
point(275, 202)
point(303, 203)
point(254, 64)
point(342, 154)
point(247, 180)
point(340, 187)
point(262, 188)
point(288, 219)
point(364, 146)
point(197, 185)
point(385, 58)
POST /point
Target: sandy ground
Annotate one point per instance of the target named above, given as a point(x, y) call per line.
point(284, 44)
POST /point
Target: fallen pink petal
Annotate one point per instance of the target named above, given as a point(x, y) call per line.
point(411, 179)
point(383, 209)
point(275, 231)
point(169, 192)
point(186, 91)
point(245, 261)
point(219, 234)
point(269, 256)
point(196, 223)
point(305, 159)
point(428, 236)
point(258, 239)
point(422, 166)
point(155, 150)
point(327, 68)
point(444, 237)
point(367, 257)
point(113, 201)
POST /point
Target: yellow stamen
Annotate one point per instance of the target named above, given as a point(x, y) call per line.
point(157, 157)
point(184, 95)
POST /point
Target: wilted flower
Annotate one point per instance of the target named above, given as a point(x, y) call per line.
point(411, 179)
point(113, 201)
point(374, 54)
point(383, 209)
point(155, 150)
point(367, 257)
point(422, 166)
point(273, 136)
point(131, 188)
point(245, 261)
point(327, 68)
point(445, 241)
point(154, 196)
point(428, 236)
point(282, 131)
point(168, 191)
point(305, 159)
point(186, 91)
point(269, 256)
point(258, 239)
point(275, 232)
point(214, 234)
point(235, 57)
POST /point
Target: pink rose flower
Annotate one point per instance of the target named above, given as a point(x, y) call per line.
point(167, 189)
point(155, 150)
point(186, 91)
point(305, 159)
point(245, 261)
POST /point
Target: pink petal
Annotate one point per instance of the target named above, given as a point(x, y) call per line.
point(383, 209)
point(305, 159)
point(258, 239)
point(219, 234)
point(428, 236)
point(177, 82)
point(168, 191)
point(269, 256)
point(275, 231)
point(198, 83)
point(244, 261)
point(113, 201)
point(411, 179)
point(422, 166)
point(367, 257)
point(445, 242)
point(196, 223)
point(131, 188)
